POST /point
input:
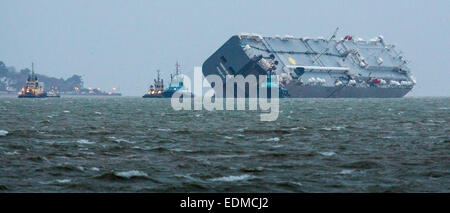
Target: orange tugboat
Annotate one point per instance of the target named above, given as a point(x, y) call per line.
point(156, 89)
point(33, 88)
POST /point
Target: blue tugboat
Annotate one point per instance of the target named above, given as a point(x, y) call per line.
point(176, 84)
point(282, 91)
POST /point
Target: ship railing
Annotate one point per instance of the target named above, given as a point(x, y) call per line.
point(319, 68)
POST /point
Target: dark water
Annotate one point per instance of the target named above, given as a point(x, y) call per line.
point(142, 145)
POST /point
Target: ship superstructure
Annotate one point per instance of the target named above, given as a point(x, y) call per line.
point(319, 67)
point(176, 82)
point(156, 89)
point(33, 88)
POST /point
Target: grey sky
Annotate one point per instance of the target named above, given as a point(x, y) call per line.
point(122, 43)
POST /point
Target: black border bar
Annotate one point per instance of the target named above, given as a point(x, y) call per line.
point(173, 201)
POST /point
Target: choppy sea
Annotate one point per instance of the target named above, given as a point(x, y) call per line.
point(130, 144)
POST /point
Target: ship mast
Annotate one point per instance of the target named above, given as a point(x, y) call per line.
point(178, 66)
point(32, 71)
point(158, 75)
point(33, 75)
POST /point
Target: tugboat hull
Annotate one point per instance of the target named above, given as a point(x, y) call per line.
point(166, 94)
point(44, 95)
point(153, 96)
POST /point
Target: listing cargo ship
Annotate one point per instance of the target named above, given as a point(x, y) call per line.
point(176, 85)
point(33, 88)
point(316, 67)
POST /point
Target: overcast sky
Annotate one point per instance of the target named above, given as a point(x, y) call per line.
point(122, 43)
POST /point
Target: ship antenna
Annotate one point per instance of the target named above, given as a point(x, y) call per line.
point(334, 34)
point(326, 49)
point(178, 66)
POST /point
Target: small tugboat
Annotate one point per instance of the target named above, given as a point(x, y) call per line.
point(282, 92)
point(156, 89)
point(53, 93)
point(176, 84)
point(33, 88)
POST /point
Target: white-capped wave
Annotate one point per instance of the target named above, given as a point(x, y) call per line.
point(3, 132)
point(297, 183)
point(328, 153)
point(89, 153)
point(131, 174)
point(15, 152)
point(66, 111)
point(298, 128)
point(60, 181)
point(180, 150)
point(119, 140)
point(64, 181)
point(346, 171)
point(276, 139)
point(333, 128)
point(232, 178)
point(84, 141)
point(95, 169)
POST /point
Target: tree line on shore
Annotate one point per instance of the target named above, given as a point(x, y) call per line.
point(12, 80)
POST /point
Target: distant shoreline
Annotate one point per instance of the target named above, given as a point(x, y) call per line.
point(62, 95)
